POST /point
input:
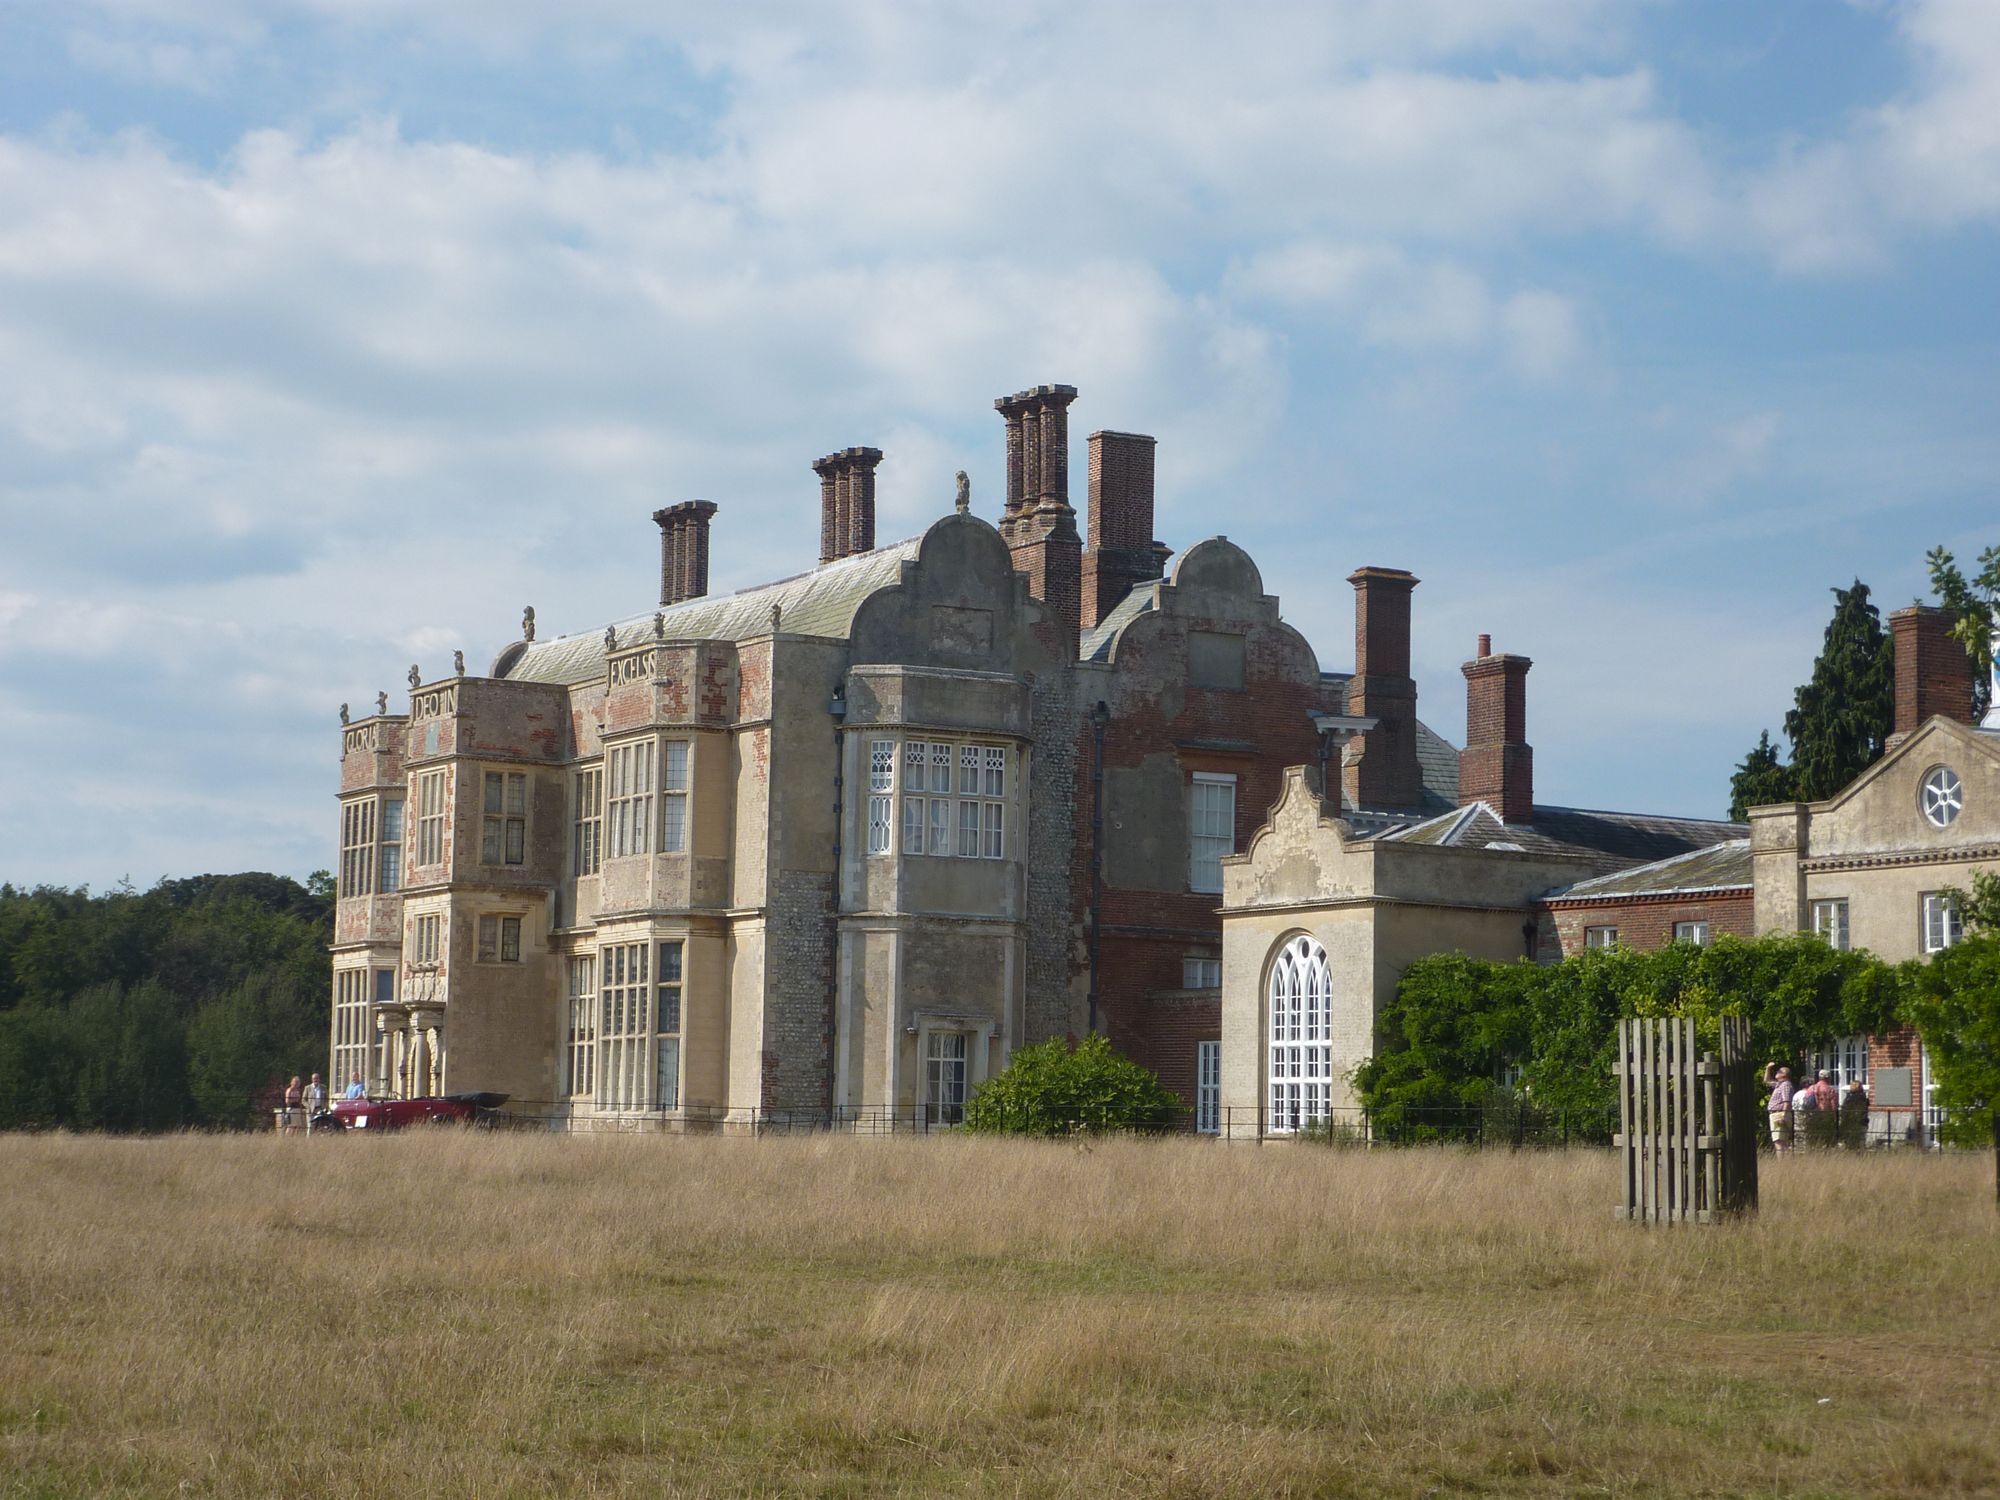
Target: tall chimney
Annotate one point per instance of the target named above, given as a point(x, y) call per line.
point(1122, 553)
point(1038, 523)
point(1933, 672)
point(1382, 773)
point(684, 550)
point(1497, 766)
point(670, 555)
point(861, 464)
point(847, 502)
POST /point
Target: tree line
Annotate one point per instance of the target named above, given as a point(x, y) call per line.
point(1464, 1034)
point(182, 1005)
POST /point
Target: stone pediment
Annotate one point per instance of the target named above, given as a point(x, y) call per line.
point(1303, 852)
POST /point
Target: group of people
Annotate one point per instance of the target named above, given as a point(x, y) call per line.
point(305, 1103)
point(1817, 1114)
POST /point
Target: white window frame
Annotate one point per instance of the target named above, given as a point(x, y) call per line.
point(1830, 922)
point(1695, 932)
point(947, 1068)
point(1201, 973)
point(1845, 1057)
point(580, 1047)
point(1943, 927)
point(1600, 937)
point(881, 793)
point(1211, 829)
point(675, 759)
point(667, 980)
point(357, 848)
point(430, 818)
point(1941, 796)
point(628, 798)
point(352, 1033)
point(624, 1029)
point(954, 797)
point(503, 818)
point(1208, 1088)
point(1298, 1035)
point(586, 845)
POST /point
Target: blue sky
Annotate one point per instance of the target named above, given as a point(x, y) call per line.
point(333, 333)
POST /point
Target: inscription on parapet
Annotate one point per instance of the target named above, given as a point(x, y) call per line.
point(638, 667)
point(437, 703)
point(358, 739)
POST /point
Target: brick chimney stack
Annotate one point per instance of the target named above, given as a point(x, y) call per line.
point(1122, 553)
point(1037, 522)
point(683, 550)
point(1933, 673)
point(847, 502)
point(1382, 772)
point(1497, 766)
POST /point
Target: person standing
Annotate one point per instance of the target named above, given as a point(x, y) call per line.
point(294, 1094)
point(355, 1090)
point(315, 1101)
point(1854, 1116)
point(1817, 1107)
point(1779, 1080)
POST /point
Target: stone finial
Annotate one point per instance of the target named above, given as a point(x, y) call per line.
point(611, 638)
point(343, 713)
point(528, 623)
point(777, 618)
point(659, 626)
point(381, 703)
point(458, 663)
point(416, 677)
point(964, 498)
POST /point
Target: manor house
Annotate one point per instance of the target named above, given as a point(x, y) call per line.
point(831, 848)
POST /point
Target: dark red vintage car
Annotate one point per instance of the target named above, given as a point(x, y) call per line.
point(395, 1114)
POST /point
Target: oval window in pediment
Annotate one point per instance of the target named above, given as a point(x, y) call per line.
point(1941, 795)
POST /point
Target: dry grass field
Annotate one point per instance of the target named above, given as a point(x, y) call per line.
point(476, 1314)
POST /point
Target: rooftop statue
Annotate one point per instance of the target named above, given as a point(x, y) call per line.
point(528, 623)
point(964, 501)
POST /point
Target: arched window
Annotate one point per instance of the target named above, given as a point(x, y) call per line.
point(1301, 1046)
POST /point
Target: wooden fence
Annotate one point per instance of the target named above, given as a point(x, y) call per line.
point(1687, 1122)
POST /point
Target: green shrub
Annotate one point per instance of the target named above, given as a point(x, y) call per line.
point(1053, 1089)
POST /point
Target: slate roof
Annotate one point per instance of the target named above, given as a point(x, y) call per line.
point(822, 602)
point(1720, 867)
point(1610, 841)
point(1095, 643)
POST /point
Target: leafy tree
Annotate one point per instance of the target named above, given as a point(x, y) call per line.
point(1976, 603)
point(1954, 1000)
point(1761, 779)
point(1455, 1023)
point(1053, 1089)
point(145, 1010)
point(1845, 713)
point(1980, 910)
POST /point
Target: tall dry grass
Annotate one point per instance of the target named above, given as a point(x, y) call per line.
point(505, 1315)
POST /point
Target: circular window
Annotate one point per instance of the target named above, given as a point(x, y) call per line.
point(1942, 795)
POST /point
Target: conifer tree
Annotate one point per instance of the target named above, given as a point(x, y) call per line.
point(1845, 713)
point(1761, 779)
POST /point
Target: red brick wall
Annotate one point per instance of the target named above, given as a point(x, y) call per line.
point(1497, 765)
point(1646, 923)
point(1383, 770)
point(1933, 673)
point(1145, 934)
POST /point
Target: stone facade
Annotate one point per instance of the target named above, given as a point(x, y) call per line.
point(835, 846)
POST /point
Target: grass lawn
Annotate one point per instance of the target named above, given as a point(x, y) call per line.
point(479, 1314)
